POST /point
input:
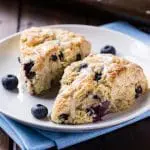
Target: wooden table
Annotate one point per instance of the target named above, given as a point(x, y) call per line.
point(17, 15)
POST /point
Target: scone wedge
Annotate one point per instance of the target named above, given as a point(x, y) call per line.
point(45, 52)
point(96, 86)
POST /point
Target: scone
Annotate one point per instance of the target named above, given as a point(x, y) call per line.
point(45, 52)
point(96, 86)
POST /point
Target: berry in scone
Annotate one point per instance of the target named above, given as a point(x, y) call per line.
point(45, 52)
point(98, 85)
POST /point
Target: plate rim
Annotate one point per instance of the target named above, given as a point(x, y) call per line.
point(76, 25)
point(84, 127)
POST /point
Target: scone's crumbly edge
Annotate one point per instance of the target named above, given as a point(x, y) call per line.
point(95, 86)
point(45, 52)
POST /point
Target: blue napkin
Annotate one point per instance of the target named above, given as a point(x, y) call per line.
point(36, 139)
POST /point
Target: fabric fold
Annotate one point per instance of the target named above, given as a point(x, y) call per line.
point(24, 136)
point(64, 140)
point(130, 30)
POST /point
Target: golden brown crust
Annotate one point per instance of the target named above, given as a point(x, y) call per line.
point(116, 84)
point(51, 50)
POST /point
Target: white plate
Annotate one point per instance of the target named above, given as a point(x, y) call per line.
point(20, 109)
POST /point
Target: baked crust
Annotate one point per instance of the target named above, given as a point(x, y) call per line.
point(45, 52)
point(95, 86)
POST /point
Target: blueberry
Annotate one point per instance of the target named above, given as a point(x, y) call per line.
point(83, 66)
point(61, 56)
point(10, 82)
point(27, 67)
point(96, 97)
point(100, 111)
point(138, 91)
point(78, 57)
point(54, 57)
point(108, 50)
point(97, 112)
point(90, 111)
point(98, 76)
point(64, 116)
point(39, 111)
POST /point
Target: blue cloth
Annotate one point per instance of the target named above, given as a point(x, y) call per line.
point(36, 139)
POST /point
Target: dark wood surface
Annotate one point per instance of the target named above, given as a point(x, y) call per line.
point(17, 15)
point(131, 9)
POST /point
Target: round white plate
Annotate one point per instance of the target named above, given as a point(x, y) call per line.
point(19, 107)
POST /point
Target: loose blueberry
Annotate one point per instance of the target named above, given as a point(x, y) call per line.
point(108, 50)
point(83, 66)
point(98, 76)
point(54, 57)
point(78, 57)
point(27, 67)
point(138, 91)
point(63, 117)
point(39, 111)
point(10, 82)
point(61, 56)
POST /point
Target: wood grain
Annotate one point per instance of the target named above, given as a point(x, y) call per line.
point(16, 147)
point(40, 15)
point(4, 141)
point(8, 26)
point(133, 10)
point(133, 137)
point(8, 17)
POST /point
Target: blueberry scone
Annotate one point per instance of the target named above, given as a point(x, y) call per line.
point(95, 86)
point(45, 52)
